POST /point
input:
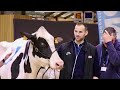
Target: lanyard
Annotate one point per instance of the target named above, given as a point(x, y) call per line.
point(101, 59)
point(77, 52)
point(75, 59)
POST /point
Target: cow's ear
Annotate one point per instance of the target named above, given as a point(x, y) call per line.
point(58, 40)
point(26, 35)
point(25, 38)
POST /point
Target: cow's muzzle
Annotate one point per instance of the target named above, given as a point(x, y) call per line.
point(59, 65)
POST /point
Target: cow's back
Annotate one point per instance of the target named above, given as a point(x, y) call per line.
point(14, 64)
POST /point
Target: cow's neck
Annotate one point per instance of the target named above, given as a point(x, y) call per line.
point(36, 63)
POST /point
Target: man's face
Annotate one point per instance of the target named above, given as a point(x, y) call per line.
point(107, 35)
point(80, 32)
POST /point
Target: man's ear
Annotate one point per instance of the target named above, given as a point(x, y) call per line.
point(58, 40)
point(86, 32)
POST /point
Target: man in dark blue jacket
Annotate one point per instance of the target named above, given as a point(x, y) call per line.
point(109, 55)
point(79, 56)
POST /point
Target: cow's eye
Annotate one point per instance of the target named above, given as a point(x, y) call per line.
point(42, 44)
point(36, 49)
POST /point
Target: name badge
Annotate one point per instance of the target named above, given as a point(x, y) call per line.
point(103, 69)
point(68, 53)
point(89, 56)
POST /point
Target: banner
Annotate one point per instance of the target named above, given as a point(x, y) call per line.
point(108, 19)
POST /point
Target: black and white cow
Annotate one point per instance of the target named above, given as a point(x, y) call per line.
point(28, 56)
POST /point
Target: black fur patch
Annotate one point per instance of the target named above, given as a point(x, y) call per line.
point(43, 48)
point(26, 50)
point(27, 67)
point(15, 67)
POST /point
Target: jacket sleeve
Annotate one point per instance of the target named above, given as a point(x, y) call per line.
point(114, 53)
point(96, 67)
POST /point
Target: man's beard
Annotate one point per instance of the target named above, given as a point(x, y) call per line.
point(78, 39)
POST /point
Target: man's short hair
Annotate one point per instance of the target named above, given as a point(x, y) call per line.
point(110, 30)
point(79, 24)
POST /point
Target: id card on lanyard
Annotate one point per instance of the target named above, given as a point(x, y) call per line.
point(104, 64)
point(103, 68)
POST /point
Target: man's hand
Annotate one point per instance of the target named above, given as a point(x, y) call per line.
point(7, 56)
point(1, 63)
point(107, 37)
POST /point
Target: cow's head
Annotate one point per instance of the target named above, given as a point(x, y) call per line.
point(43, 47)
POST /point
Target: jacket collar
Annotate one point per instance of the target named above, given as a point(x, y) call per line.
point(85, 44)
